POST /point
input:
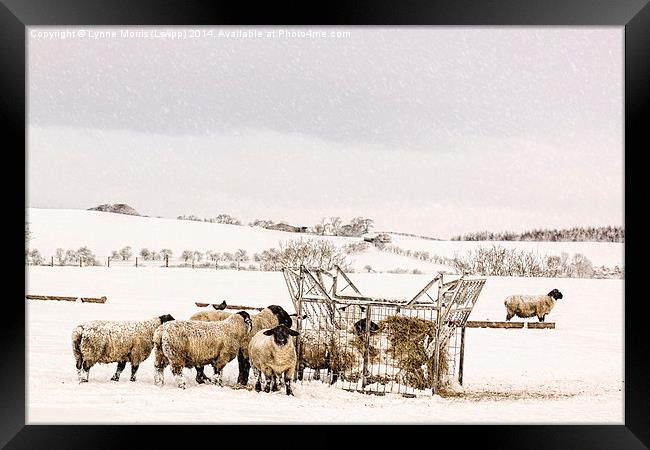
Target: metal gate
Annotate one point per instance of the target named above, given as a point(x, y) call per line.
point(377, 345)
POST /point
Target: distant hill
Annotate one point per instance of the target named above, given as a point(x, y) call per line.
point(119, 208)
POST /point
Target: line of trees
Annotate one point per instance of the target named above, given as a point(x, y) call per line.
point(575, 234)
point(330, 226)
point(496, 260)
point(221, 218)
point(63, 257)
point(334, 226)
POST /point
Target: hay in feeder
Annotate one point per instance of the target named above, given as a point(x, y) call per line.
point(407, 337)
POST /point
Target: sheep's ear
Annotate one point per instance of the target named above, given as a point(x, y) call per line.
point(268, 332)
point(293, 333)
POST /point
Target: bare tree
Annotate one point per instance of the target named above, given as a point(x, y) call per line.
point(126, 253)
point(59, 255)
point(35, 257)
point(241, 256)
point(335, 225)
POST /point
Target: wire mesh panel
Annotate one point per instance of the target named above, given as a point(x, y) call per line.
point(375, 345)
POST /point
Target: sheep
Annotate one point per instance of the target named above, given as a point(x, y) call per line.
point(525, 306)
point(273, 353)
point(210, 316)
point(269, 317)
point(191, 343)
point(105, 341)
point(334, 351)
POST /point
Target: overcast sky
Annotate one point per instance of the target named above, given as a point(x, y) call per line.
point(431, 130)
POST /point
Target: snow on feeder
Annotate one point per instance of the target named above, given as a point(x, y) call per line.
point(377, 345)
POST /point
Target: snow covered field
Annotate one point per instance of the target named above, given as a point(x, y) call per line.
point(572, 374)
point(104, 232)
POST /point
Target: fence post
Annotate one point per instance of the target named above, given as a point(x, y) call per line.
point(192, 263)
point(366, 349)
point(52, 261)
point(80, 262)
point(108, 261)
point(136, 261)
point(462, 356)
point(166, 260)
point(299, 326)
point(436, 354)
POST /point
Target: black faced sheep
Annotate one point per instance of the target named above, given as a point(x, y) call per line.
point(107, 341)
point(269, 317)
point(525, 306)
point(190, 343)
point(220, 306)
point(272, 352)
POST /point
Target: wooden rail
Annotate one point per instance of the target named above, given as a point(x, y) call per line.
point(495, 324)
point(93, 299)
point(51, 297)
point(66, 299)
point(237, 307)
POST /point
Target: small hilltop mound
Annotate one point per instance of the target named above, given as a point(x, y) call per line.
point(119, 208)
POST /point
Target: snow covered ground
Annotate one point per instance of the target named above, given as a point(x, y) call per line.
point(572, 374)
point(104, 232)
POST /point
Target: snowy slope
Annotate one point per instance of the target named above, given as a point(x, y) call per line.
point(104, 232)
point(573, 374)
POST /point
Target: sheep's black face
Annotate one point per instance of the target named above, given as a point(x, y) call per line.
point(281, 334)
point(247, 319)
point(220, 306)
point(360, 326)
point(281, 314)
point(166, 318)
point(555, 294)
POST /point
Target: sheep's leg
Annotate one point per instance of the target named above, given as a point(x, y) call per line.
point(159, 377)
point(244, 368)
point(274, 383)
point(509, 316)
point(287, 383)
point(177, 371)
point(258, 377)
point(134, 369)
point(269, 378)
point(78, 365)
point(217, 379)
point(85, 369)
point(200, 375)
point(120, 367)
point(541, 318)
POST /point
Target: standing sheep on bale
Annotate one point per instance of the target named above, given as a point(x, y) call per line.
point(190, 343)
point(272, 352)
point(106, 341)
point(525, 306)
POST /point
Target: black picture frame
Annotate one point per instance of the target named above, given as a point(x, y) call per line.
point(634, 15)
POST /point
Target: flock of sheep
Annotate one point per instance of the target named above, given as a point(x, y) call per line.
point(264, 341)
point(259, 340)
